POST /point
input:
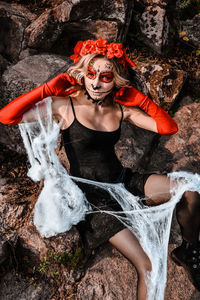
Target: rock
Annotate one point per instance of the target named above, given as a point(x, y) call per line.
point(152, 2)
point(104, 10)
point(27, 52)
point(14, 197)
point(42, 33)
point(74, 20)
point(116, 12)
point(164, 83)
point(180, 151)
point(21, 78)
point(178, 284)
point(3, 64)
point(17, 9)
point(84, 30)
point(32, 248)
point(13, 21)
point(191, 30)
point(105, 279)
point(110, 273)
point(15, 286)
point(31, 253)
point(26, 75)
point(154, 27)
point(108, 30)
point(3, 249)
point(62, 12)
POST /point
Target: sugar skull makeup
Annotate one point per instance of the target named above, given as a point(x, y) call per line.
point(99, 78)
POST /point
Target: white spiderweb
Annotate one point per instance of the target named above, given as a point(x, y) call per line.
point(62, 204)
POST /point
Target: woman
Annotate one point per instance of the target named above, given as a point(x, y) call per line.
point(101, 98)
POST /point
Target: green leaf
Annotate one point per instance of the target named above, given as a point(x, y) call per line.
point(198, 52)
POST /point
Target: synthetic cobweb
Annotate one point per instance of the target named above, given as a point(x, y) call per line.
point(62, 204)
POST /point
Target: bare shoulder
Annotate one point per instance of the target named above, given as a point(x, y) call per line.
point(137, 117)
point(130, 112)
point(58, 101)
point(58, 104)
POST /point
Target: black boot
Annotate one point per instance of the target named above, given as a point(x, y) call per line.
point(188, 256)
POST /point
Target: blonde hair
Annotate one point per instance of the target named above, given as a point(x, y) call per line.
point(79, 69)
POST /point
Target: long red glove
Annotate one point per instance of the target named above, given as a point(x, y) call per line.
point(130, 96)
point(13, 112)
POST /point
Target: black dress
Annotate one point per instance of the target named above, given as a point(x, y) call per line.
point(92, 156)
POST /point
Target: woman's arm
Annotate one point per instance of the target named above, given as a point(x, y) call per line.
point(58, 104)
point(131, 97)
point(139, 118)
point(12, 113)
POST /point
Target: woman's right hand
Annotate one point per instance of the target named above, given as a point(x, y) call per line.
point(13, 112)
point(60, 83)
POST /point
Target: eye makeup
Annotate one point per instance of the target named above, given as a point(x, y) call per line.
point(104, 76)
point(91, 73)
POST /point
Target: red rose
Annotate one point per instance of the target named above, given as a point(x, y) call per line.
point(118, 53)
point(78, 47)
point(101, 43)
point(102, 47)
point(117, 49)
point(110, 51)
point(117, 46)
point(101, 51)
point(110, 54)
point(88, 47)
point(93, 47)
point(76, 56)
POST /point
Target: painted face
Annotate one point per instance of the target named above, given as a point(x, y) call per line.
point(99, 79)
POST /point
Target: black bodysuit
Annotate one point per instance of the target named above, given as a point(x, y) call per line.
point(91, 155)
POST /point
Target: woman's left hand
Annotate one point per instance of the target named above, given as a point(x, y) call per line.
point(130, 96)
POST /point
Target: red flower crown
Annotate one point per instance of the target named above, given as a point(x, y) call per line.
point(102, 47)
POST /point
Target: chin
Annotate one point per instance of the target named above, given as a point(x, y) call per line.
point(97, 97)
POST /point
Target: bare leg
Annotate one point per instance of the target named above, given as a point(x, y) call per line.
point(128, 245)
point(188, 217)
point(157, 190)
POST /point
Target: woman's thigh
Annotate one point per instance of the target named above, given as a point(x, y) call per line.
point(157, 189)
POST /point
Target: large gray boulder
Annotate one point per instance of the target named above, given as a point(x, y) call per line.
point(154, 26)
point(21, 78)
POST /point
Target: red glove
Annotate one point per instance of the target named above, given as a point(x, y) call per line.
point(13, 112)
point(130, 96)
